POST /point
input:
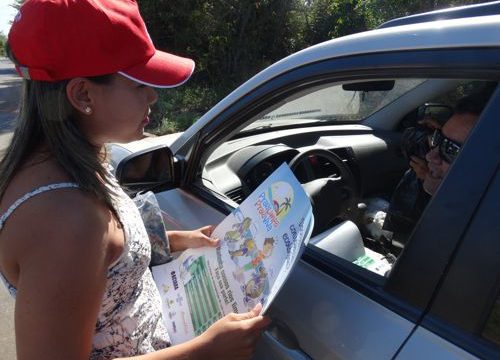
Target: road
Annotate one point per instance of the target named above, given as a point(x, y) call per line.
point(10, 88)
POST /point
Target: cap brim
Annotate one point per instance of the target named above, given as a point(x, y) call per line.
point(162, 70)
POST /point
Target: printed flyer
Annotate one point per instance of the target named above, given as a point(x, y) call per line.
point(261, 241)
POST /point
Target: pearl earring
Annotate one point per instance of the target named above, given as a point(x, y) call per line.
point(88, 110)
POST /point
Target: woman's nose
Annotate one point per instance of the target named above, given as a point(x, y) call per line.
point(152, 95)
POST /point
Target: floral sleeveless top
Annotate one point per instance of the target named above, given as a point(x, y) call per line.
point(129, 321)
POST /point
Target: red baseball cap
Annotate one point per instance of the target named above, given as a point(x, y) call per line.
point(55, 40)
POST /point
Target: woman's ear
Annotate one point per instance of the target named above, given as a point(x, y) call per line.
point(77, 91)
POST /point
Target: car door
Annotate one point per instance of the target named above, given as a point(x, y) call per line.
point(330, 308)
point(463, 320)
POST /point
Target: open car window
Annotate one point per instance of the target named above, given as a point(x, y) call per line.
point(352, 173)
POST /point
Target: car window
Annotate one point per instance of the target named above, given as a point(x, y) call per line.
point(367, 199)
point(334, 103)
point(388, 219)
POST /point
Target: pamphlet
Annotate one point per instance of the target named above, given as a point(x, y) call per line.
point(260, 242)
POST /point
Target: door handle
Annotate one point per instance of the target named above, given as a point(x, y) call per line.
point(282, 342)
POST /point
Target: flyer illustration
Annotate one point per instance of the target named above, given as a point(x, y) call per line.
point(261, 240)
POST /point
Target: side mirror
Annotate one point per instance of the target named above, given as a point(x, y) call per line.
point(147, 169)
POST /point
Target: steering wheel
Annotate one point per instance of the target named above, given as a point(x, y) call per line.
point(332, 197)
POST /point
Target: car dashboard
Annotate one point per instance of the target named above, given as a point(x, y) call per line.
point(238, 166)
point(374, 159)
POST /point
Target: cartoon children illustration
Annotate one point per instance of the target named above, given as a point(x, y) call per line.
point(243, 226)
point(256, 265)
point(259, 255)
point(239, 229)
point(257, 285)
point(246, 249)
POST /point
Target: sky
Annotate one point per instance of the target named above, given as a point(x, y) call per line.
point(7, 13)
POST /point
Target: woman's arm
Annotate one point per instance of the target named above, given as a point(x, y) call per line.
point(66, 241)
point(63, 258)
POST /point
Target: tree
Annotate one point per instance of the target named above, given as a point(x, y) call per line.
point(380, 11)
point(225, 37)
point(3, 37)
point(331, 19)
point(17, 4)
point(3, 40)
point(231, 40)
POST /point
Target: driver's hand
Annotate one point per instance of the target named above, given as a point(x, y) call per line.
point(430, 123)
point(419, 166)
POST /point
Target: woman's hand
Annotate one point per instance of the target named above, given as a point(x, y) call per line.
point(234, 336)
point(182, 240)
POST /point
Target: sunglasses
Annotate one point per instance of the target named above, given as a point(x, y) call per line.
point(448, 149)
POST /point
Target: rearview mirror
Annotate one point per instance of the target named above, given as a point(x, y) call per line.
point(366, 86)
point(146, 169)
point(438, 112)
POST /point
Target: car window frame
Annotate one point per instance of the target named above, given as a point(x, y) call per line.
point(462, 307)
point(436, 216)
point(438, 63)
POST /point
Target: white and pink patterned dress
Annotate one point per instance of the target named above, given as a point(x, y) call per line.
point(129, 321)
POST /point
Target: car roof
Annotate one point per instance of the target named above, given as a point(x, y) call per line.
point(443, 34)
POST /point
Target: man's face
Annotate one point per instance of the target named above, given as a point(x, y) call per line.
point(456, 128)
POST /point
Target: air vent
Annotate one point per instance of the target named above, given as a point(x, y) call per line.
point(236, 195)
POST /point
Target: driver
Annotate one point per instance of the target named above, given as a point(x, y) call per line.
point(445, 145)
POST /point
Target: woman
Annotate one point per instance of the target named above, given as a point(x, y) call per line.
point(73, 249)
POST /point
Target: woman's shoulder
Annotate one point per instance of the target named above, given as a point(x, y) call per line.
point(31, 176)
point(55, 218)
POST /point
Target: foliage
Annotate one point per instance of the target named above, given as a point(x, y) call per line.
point(379, 11)
point(17, 4)
point(231, 40)
point(3, 39)
point(331, 19)
point(177, 109)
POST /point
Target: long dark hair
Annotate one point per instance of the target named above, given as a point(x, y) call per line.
point(46, 117)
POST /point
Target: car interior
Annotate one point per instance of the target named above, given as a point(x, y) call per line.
point(349, 144)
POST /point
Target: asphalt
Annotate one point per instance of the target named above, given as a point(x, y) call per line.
point(7, 340)
point(10, 89)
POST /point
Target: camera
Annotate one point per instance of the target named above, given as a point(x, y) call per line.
point(415, 141)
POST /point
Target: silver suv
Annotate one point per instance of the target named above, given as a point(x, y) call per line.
point(337, 111)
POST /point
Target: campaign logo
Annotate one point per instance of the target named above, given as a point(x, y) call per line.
point(274, 204)
point(281, 195)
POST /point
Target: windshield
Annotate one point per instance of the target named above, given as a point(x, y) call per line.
point(334, 103)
